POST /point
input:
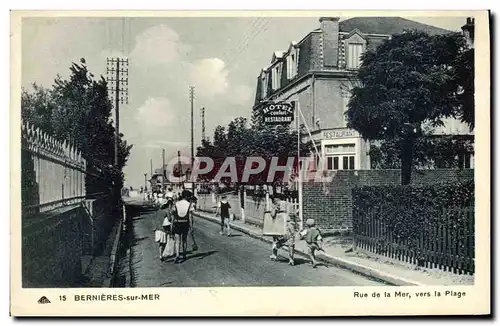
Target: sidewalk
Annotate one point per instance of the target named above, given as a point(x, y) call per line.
point(382, 268)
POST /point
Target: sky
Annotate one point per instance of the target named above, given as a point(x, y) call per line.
point(220, 57)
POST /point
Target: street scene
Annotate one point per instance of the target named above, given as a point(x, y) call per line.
point(248, 151)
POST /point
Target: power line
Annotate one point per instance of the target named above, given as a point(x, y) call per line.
point(227, 53)
point(261, 28)
point(123, 34)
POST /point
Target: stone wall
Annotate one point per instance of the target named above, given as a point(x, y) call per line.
point(52, 248)
point(54, 243)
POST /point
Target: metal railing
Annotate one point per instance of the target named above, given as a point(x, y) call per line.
point(52, 172)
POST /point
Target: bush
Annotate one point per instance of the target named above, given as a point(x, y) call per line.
point(407, 211)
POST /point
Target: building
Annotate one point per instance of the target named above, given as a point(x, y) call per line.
point(156, 180)
point(318, 72)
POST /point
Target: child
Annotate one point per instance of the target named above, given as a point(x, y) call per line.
point(223, 210)
point(162, 234)
point(312, 235)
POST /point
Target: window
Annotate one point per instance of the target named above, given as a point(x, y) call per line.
point(264, 85)
point(354, 51)
point(289, 66)
point(292, 64)
point(276, 76)
point(465, 161)
point(340, 157)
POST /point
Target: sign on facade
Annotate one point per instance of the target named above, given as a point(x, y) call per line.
point(281, 113)
point(344, 133)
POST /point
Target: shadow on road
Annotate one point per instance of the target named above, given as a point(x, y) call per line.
point(201, 255)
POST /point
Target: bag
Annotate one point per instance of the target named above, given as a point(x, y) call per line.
point(169, 248)
point(166, 222)
point(159, 235)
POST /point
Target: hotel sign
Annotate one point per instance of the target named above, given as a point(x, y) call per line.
point(281, 113)
point(343, 133)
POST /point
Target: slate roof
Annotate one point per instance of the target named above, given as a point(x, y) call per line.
point(387, 25)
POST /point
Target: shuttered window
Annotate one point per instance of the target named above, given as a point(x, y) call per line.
point(354, 52)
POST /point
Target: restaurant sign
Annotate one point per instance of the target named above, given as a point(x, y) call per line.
point(281, 113)
point(342, 133)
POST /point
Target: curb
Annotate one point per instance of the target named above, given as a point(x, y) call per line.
point(114, 254)
point(352, 266)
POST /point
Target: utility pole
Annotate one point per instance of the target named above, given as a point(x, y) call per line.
point(117, 71)
point(179, 166)
point(203, 123)
point(191, 97)
point(145, 182)
point(163, 170)
point(191, 93)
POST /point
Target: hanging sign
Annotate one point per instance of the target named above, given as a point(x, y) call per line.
point(280, 113)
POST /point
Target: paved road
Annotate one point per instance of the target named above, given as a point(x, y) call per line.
point(224, 261)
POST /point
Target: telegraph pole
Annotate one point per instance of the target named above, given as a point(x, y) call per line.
point(191, 97)
point(117, 71)
point(179, 166)
point(203, 123)
point(191, 93)
point(163, 170)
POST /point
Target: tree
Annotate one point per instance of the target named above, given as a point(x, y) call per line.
point(241, 140)
point(79, 109)
point(407, 83)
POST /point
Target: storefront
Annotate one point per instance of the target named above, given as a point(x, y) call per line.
point(342, 148)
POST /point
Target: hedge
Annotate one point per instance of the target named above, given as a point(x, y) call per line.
point(426, 219)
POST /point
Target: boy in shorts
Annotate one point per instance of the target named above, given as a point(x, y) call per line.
point(313, 238)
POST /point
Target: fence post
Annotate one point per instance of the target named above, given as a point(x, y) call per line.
point(243, 198)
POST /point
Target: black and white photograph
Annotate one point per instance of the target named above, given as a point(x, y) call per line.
point(289, 151)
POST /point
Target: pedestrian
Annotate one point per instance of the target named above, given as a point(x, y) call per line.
point(313, 238)
point(193, 200)
point(182, 221)
point(288, 239)
point(223, 210)
point(163, 233)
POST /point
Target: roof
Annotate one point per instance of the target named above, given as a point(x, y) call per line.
point(387, 26)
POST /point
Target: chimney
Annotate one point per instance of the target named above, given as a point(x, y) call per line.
point(468, 31)
point(330, 30)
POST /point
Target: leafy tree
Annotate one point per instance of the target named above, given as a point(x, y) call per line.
point(408, 82)
point(79, 109)
point(241, 140)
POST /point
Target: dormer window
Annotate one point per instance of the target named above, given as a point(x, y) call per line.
point(276, 76)
point(354, 52)
point(263, 84)
point(292, 63)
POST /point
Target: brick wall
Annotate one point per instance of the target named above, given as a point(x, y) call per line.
point(331, 205)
